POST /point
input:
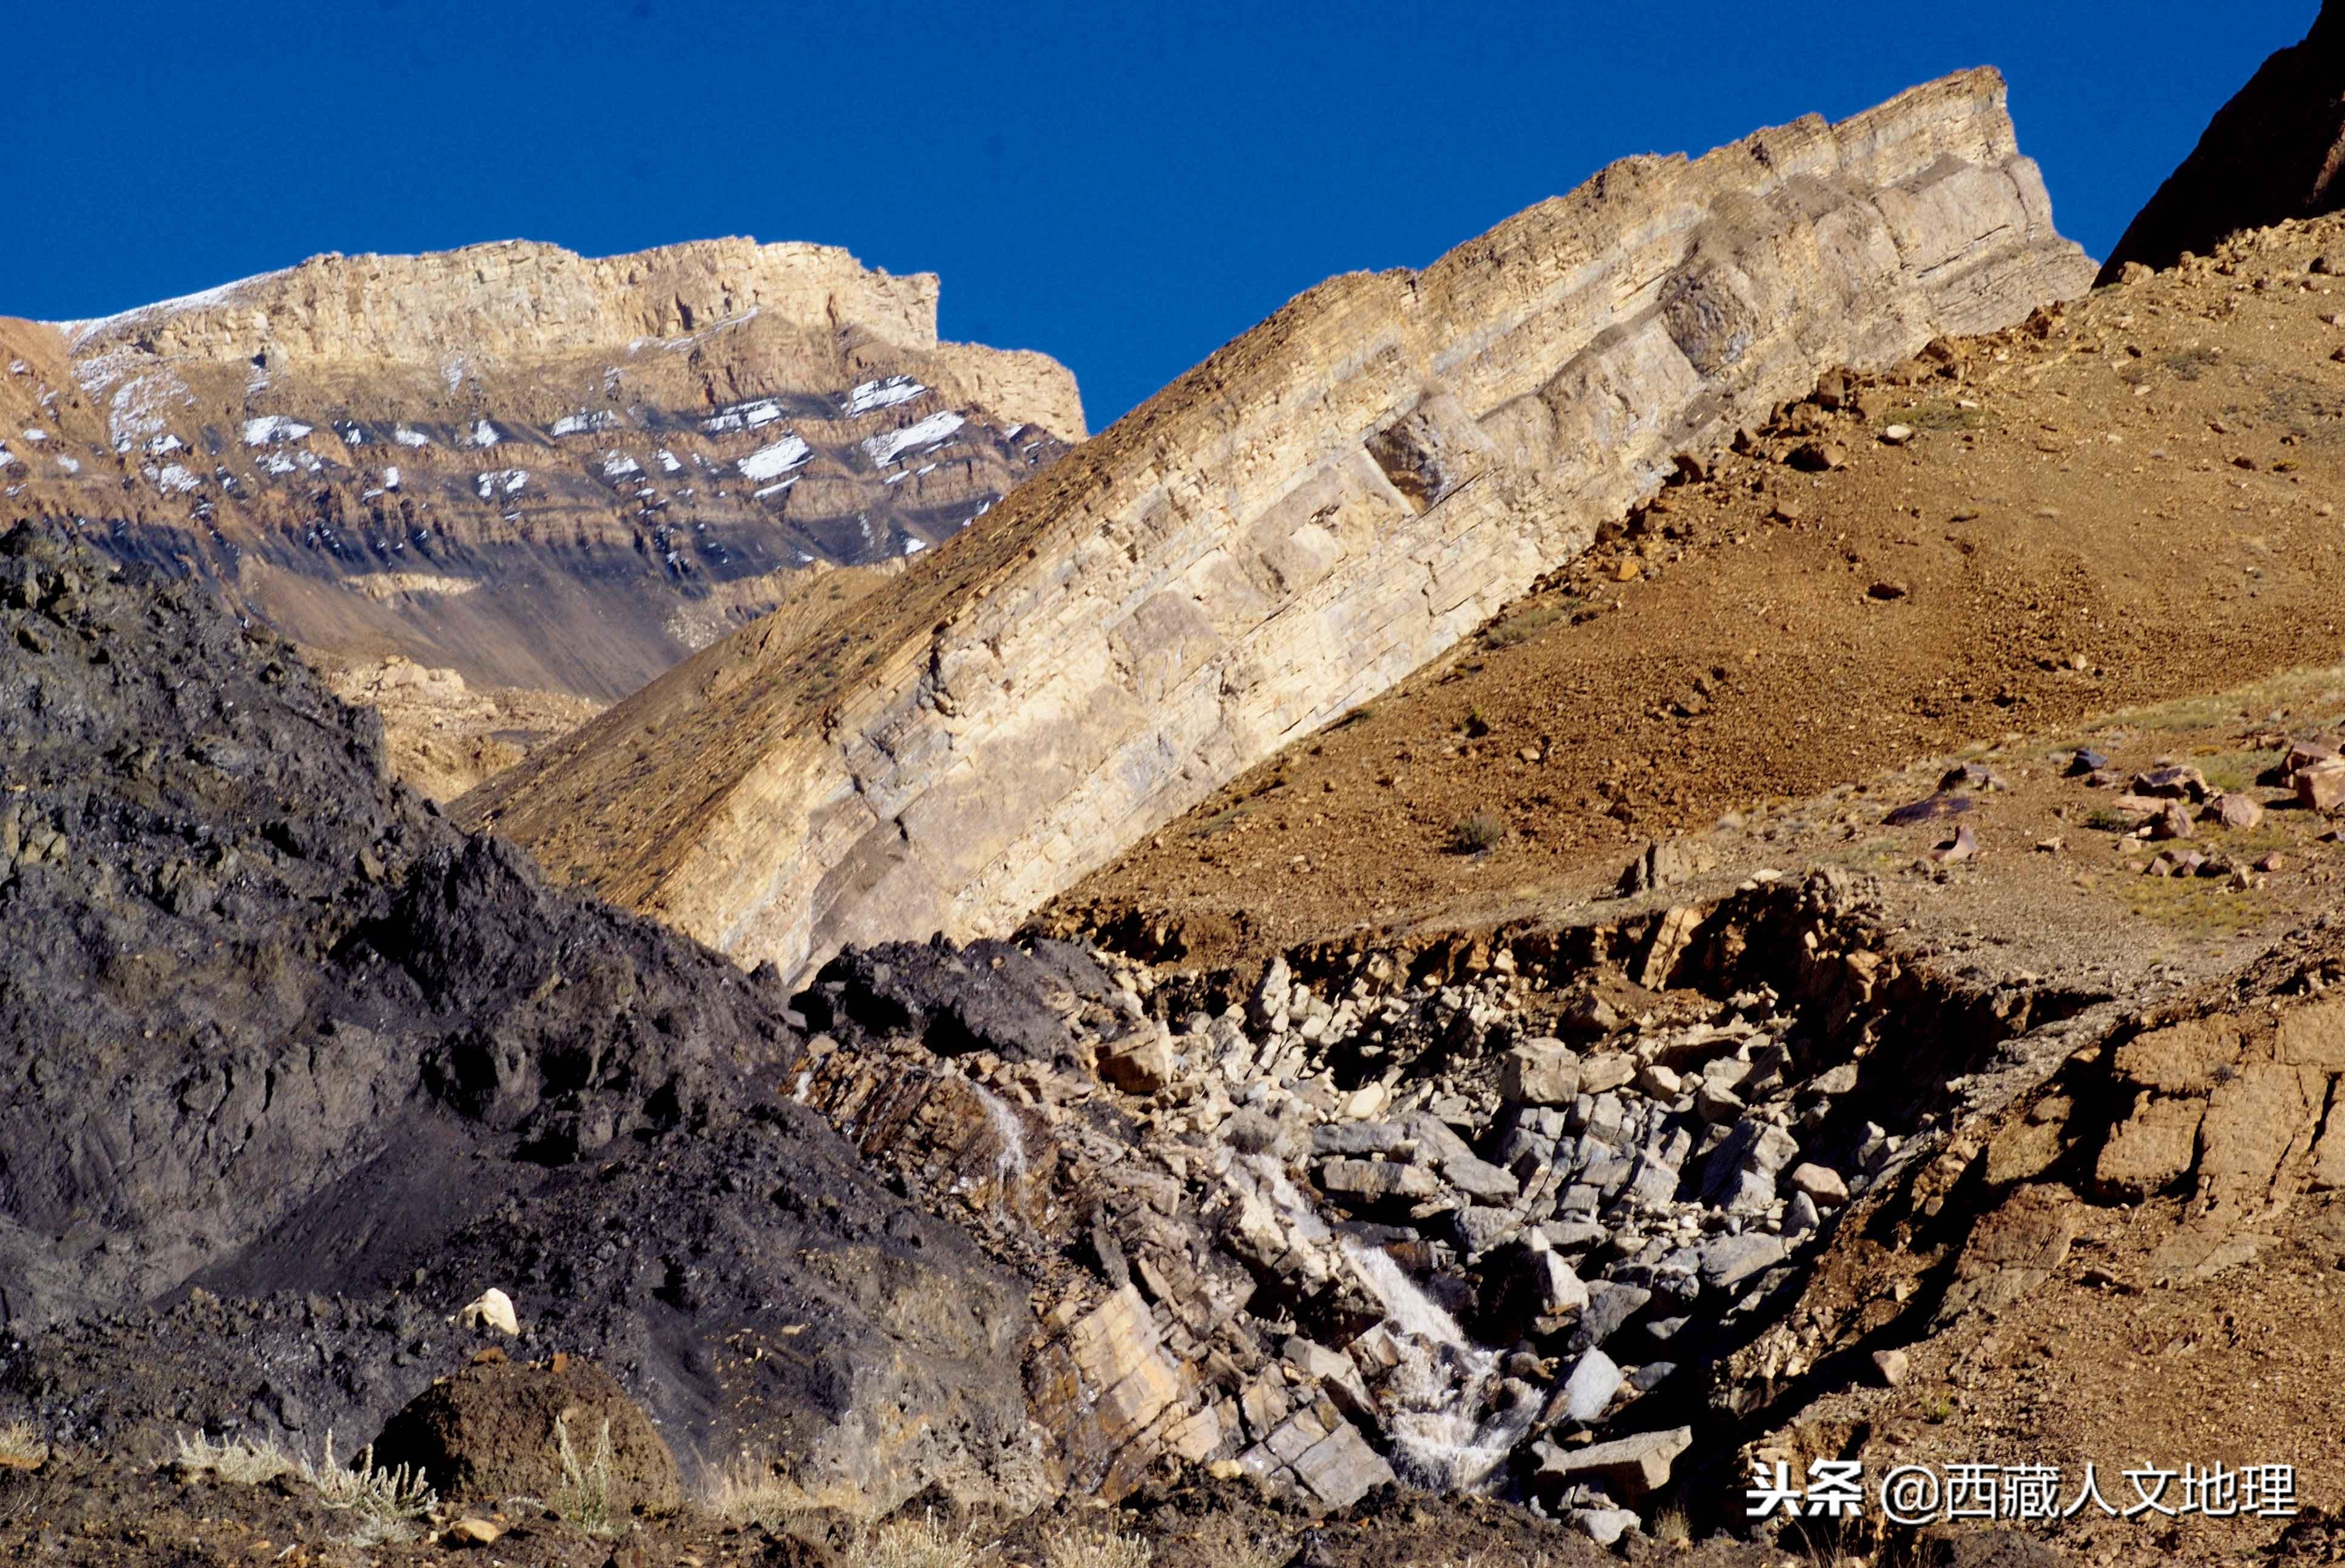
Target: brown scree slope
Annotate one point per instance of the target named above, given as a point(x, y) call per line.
point(1331, 500)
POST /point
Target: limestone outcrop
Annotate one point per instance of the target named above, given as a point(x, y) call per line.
point(2271, 154)
point(1322, 506)
point(543, 470)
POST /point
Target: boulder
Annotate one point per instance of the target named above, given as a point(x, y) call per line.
point(492, 1309)
point(1542, 1071)
point(1356, 1138)
point(1479, 1228)
point(2321, 788)
point(1665, 863)
point(1630, 1467)
point(1820, 1183)
point(1606, 1071)
point(1341, 1468)
point(1586, 1393)
point(1610, 1307)
point(2237, 812)
point(1728, 1261)
point(1140, 1063)
point(1374, 1180)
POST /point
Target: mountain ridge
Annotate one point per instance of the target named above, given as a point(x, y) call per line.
point(1320, 507)
point(544, 470)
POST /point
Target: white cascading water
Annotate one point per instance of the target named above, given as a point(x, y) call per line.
point(1442, 1437)
point(1010, 1160)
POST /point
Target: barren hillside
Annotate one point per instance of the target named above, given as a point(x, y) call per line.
point(2126, 501)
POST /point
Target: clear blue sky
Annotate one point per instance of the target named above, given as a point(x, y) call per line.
point(1125, 186)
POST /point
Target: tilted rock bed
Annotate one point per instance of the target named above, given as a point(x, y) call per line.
point(1489, 1212)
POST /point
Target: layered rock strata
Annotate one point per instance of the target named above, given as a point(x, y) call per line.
point(543, 471)
point(1322, 506)
point(1441, 1210)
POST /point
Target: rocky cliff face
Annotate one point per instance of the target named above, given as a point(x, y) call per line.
point(1322, 506)
point(2271, 154)
point(543, 471)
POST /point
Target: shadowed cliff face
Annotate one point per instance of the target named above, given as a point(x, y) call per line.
point(1323, 505)
point(2272, 153)
point(543, 471)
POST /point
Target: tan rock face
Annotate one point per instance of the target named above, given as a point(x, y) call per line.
point(547, 472)
point(1325, 504)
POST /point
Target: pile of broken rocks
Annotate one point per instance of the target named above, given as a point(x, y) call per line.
point(1491, 1228)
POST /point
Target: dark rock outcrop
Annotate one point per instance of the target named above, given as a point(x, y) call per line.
point(291, 1068)
point(2271, 153)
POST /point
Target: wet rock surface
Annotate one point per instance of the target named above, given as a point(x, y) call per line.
point(292, 1069)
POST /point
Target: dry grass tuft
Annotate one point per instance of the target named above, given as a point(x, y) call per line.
point(1475, 834)
point(22, 1446)
point(1096, 1549)
point(753, 1490)
point(583, 1498)
point(386, 1504)
point(240, 1460)
point(924, 1542)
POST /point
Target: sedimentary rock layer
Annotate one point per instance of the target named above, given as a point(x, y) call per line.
point(1323, 505)
point(543, 470)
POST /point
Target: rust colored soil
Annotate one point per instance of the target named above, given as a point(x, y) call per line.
point(2114, 506)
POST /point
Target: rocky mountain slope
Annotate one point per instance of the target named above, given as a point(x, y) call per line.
point(541, 471)
point(2272, 153)
point(2122, 500)
point(1333, 499)
point(291, 1070)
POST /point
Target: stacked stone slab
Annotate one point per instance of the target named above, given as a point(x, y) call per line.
point(1347, 1189)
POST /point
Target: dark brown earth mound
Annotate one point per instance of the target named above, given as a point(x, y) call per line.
point(290, 1069)
point(503, 1429)
point(2272, 153)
